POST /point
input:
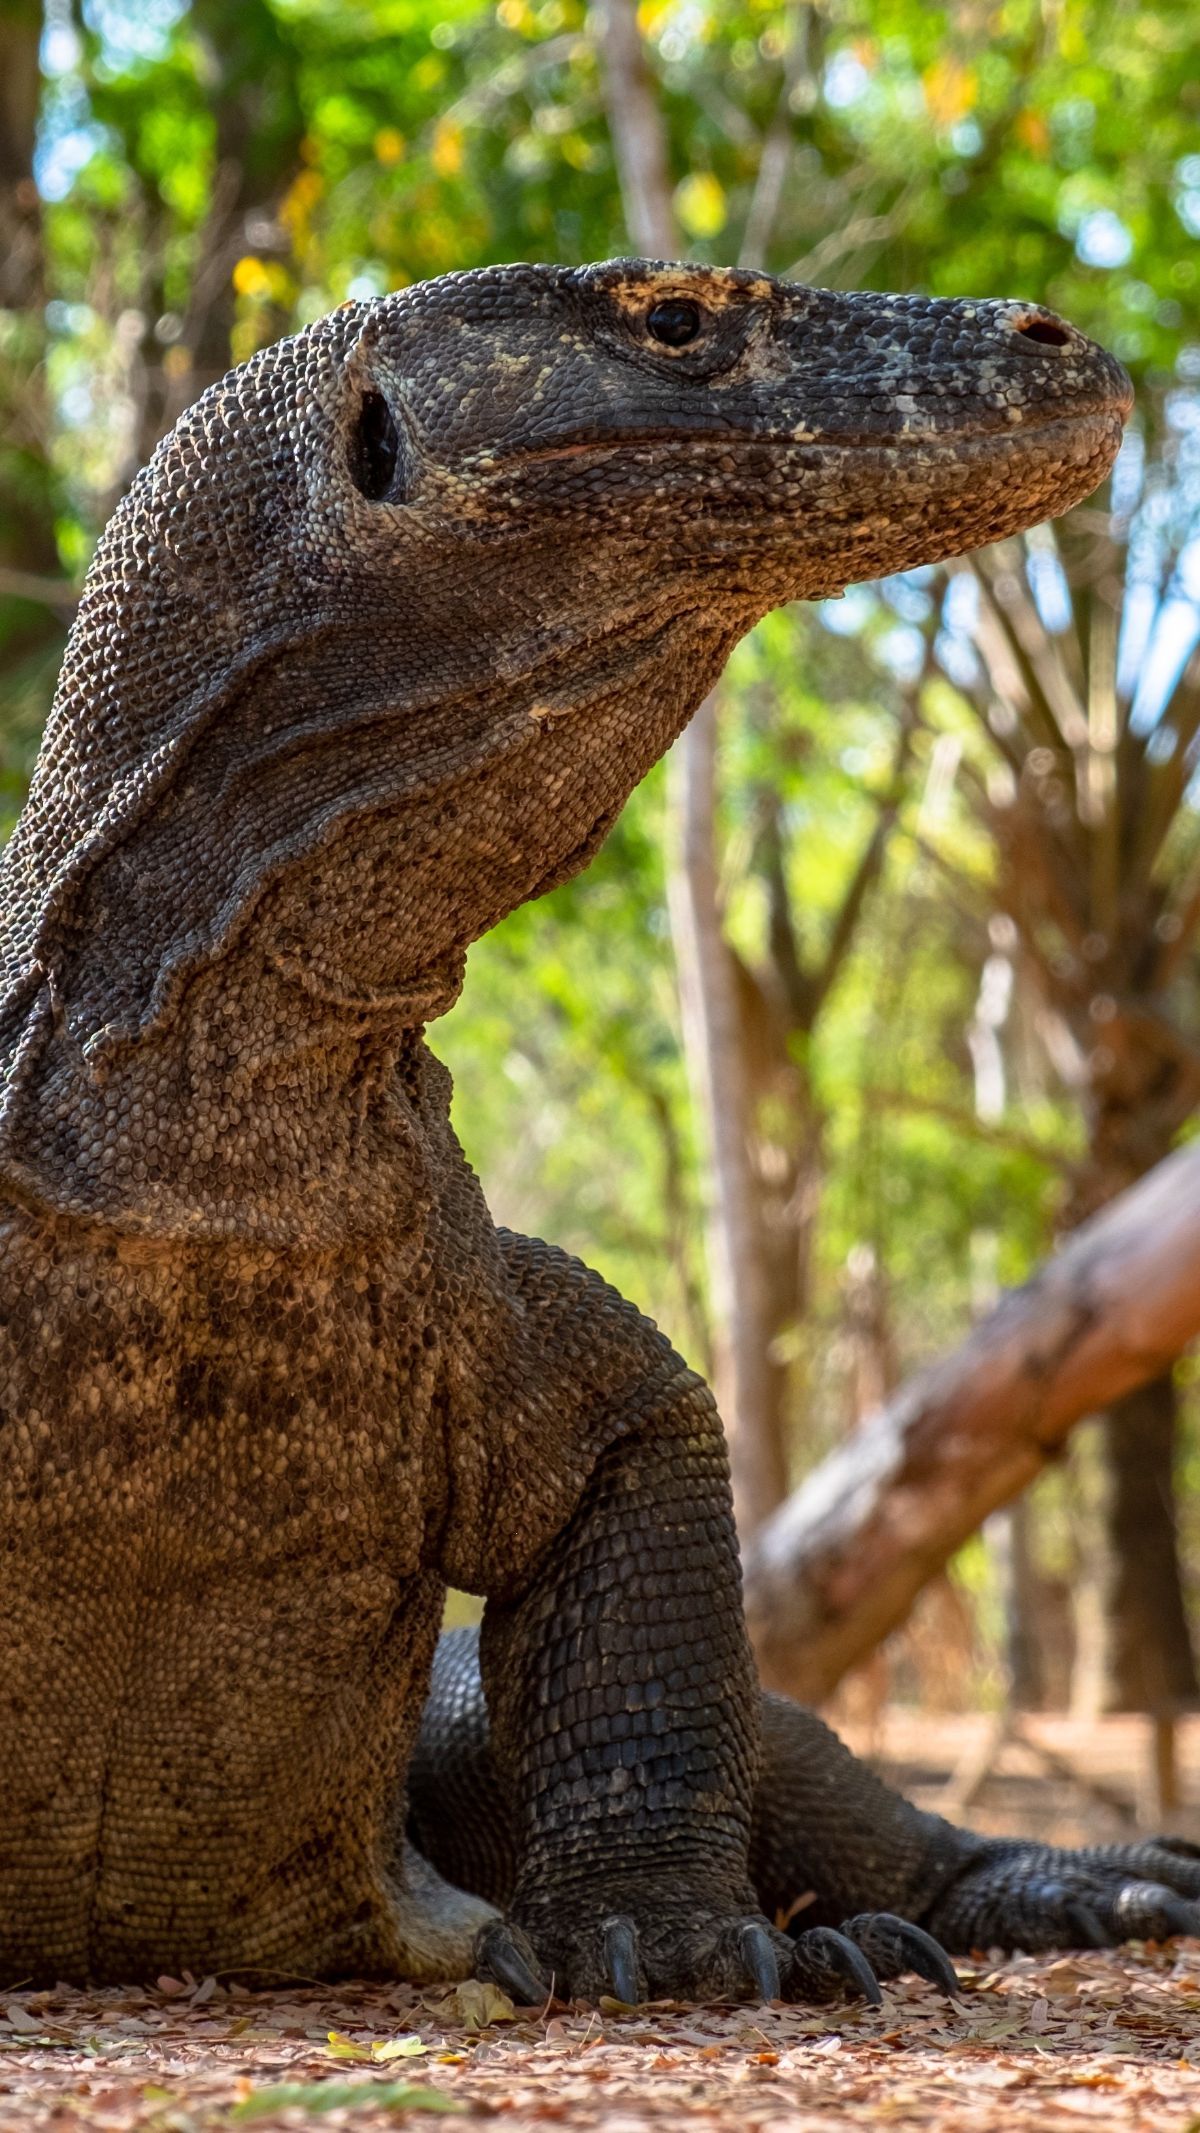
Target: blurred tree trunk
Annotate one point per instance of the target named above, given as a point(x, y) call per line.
point(33, 603)
point(838, 1566)
point(1106, 898)
point(709, 1008)
point(1146, 1660)
point(1007, 1532)
point(21, 282)
point(1149, 1663)
point(251, 64)
point(746, 1376)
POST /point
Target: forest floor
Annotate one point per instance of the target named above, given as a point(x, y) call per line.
point(1105, 2040)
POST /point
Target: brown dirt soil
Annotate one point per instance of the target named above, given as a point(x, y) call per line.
point(1108, 2040)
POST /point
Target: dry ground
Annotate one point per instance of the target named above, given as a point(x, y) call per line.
point(1104, 2041)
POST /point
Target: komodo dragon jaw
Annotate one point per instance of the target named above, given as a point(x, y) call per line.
point(375, 649)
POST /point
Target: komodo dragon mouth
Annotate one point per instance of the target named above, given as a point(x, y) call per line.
point(1103, 422)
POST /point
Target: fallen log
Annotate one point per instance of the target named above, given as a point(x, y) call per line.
point(838, 1566)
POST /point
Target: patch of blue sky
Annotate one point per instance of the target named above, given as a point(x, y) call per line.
point(1048, 583)
point(1102, 239)
point(961, 607)
point(902, 651)
point(957, 657)
point(1172, 640)
point(847, 616)
point(65, 147)
point(846, 81)
point(61, 50)
point(906, 595)
point(1128, 473)
point(133, 31)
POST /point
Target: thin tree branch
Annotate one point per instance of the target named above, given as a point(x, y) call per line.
point(1185, 911)
point(639, 138)
point(976, 1129)
point(47, 592)
point(775, 153)
point(866, 873)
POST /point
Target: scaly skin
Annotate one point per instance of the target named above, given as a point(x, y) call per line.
point(374, 650)
point(829, 1841)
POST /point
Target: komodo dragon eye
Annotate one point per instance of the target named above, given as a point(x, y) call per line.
point(374, 451)
point(674, 323)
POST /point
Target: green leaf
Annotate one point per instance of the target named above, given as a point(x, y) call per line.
point(341, 2047)
point(321, 2096)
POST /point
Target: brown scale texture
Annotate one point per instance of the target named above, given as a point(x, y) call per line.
point(374, 650)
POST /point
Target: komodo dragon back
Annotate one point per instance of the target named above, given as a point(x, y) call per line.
point(373, 651)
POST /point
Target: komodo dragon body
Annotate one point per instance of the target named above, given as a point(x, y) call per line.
point(374, 650)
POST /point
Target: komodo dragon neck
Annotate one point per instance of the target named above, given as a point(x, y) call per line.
point(379, 643)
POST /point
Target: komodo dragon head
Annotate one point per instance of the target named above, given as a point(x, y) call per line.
point(400, 612)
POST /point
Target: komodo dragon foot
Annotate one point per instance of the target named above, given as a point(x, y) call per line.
point(1012, 1893)
point(831, 1845)
point(710, 1958)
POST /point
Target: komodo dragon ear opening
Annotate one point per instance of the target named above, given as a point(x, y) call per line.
point(375, 452)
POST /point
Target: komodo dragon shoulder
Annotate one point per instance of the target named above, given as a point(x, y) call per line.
point(373, 651)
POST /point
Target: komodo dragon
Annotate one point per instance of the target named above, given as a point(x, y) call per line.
point(375, 649)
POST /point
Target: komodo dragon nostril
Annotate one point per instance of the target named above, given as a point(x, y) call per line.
point(1046, 330)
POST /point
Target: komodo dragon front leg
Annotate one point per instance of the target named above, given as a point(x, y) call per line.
point(624, 1712)
point(826, 1834)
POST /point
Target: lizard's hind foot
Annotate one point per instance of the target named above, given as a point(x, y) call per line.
point(1037, 1897)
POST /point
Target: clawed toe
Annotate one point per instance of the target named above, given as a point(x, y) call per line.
point(826, 1959)
point(761, 1961)
point(500, 1956)
point(874, 1945)
point(1146, 1910)
point(1085, 1927)
point(621, 1961)
point(1038, 1897)
point(927, 1957)
point(894, 1945)
point(692, 1954)
point(1180, 1915)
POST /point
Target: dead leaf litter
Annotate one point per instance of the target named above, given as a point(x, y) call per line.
point(1103, 2040)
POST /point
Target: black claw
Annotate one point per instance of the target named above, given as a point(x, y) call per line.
point(762, 1963)
point(923, 1954)
point(850, 1963)
point(621, 1960)
point(1178, 1914)
point(1084, 1924)
point(497, 1952)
